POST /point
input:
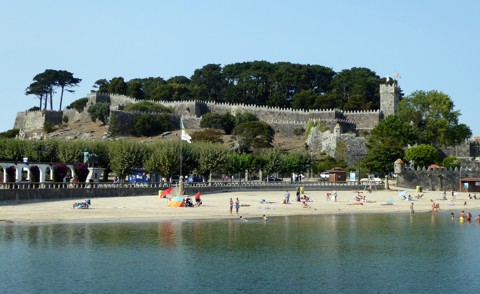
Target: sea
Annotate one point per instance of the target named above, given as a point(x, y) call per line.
point(374, 253)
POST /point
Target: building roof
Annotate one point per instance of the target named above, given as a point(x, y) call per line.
point(470, 180)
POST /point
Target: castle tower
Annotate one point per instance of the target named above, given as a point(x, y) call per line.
point(389, 99)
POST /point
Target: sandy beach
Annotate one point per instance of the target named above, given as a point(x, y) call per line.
point(153, 208)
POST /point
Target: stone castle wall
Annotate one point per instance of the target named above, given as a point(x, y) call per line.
point(31, 121)
point(436, 179)
point(351, 147)
point(364, 120)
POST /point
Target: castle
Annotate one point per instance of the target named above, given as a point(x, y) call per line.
point(340, 134)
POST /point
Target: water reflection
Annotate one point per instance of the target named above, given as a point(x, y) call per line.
point(299, 253)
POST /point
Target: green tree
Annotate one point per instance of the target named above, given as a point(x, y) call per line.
point(356, 87)
point(78, 105)
point(451, 162)
point(165, 159)
point(272, 161)
point(297, 162)
point(117, 86)
point(237, 163)
point(218, 121)
point(211, 159)
point(65, 80)
point(244, 117)
point(422, 155)
point(101, 86)
point(207, 83)
point(253, 135)
point(386, 144)
point(125, 155)
point(44, 85)
point(150, 125)
point(433, 114)
point(99, 111)
point(304, 99)
point(135, 89)
point(325, 164)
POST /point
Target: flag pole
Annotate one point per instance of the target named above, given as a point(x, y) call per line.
point(181, 143)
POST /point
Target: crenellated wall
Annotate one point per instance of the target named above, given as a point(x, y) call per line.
point(31, 121)
point(436, 179)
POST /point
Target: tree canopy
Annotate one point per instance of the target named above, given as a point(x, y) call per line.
point(281, 84)
point(433, 114)
point(44, 86)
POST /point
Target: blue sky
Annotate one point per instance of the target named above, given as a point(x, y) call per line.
point(434, 45)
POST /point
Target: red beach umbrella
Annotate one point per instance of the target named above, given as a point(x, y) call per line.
point(166, 192)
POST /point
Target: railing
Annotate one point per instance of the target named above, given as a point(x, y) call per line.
point(164, 185)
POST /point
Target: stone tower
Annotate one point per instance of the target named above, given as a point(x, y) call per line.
point(389, 99)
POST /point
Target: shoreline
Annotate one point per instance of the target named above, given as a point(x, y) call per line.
point(216, 206)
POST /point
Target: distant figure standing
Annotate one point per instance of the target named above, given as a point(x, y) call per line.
point(335, 196)
point(298, 195)
point(264, 218)
point(287, 198)
point(86, 156)
point(412, 211)
point(231, 205)
point(237, 205)
point(445, 195)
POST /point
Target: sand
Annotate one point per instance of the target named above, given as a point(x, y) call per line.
point(152, 208)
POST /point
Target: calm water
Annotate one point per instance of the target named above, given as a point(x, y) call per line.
point(321, 254)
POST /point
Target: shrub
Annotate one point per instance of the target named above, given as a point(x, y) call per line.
point(208, 135)
point(451, 162)
point(78, 105)
point(65, 119)
point(299, 131)
point(11, 174)
point(48, 127)
point(99, 111)
point(60, 171)
point(10, 133)
point(35, 108)
point(150, 125)
point(81, 170)
point(217, 121)
point(147, 106)
point(34, 174)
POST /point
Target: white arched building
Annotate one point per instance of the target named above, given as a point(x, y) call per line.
point(20, 167)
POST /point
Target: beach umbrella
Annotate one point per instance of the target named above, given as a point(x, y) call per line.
point(176, 201)
point(166, 192)
point(402, 193)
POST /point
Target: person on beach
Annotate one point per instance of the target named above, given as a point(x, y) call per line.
point(198, 200)
point(237, 205)
point(231, 205)
point(478, 219)
point(412, 211)
point(335, 196)
point(264, 218)
point(462, 216)
point(298, 195)
point(287, 198)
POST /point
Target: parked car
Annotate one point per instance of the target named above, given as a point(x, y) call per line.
point(324, 176)
point(195, 179)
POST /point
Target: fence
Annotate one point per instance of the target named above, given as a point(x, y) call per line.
point(24, 191)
